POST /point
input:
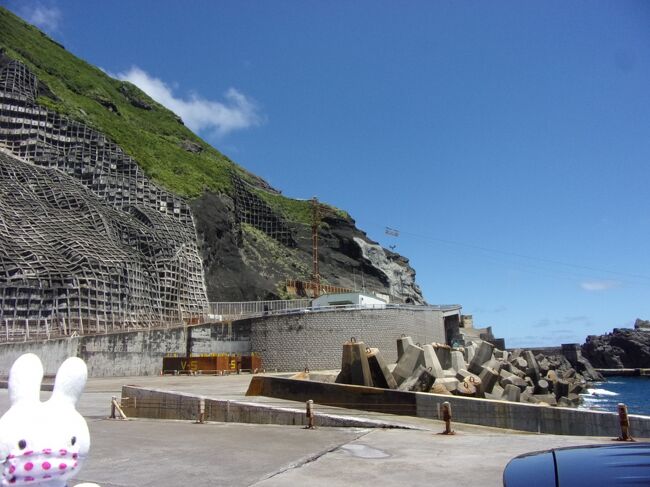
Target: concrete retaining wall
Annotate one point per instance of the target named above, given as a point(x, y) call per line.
point(131, 353)
point(313, 340)
point(285, 343)
point(135, 353)
point(227, 337)
point(51, 353)
point(485, 412)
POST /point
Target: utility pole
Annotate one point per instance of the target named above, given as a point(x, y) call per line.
point(315, 225)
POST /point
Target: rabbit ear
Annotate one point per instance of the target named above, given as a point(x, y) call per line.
point(70, 380)
point(25, 379)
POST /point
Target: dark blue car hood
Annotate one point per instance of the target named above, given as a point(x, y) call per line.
point(624, 464)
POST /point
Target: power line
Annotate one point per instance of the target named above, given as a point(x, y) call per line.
point(519, 255)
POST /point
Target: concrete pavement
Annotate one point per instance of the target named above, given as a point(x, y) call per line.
point(171, 453)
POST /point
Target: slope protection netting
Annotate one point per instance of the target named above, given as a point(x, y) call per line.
point(251, 209)
point(87, 242)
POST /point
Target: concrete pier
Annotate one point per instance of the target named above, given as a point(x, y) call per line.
point(537, 418)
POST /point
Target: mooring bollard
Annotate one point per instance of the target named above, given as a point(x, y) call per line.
point(624, 421)
point(201, 412)
point(446, 417)
point(115, 407)
point(310, 415)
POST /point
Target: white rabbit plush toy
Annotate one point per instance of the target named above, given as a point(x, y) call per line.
point(43, 443)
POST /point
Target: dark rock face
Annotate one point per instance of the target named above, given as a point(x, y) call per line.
point(242, 262)
point(640, 324)
point(623, 348)
point(190, 146)
point(129, 91)
point(343, 261)
point(227, 276)
point(106, 103)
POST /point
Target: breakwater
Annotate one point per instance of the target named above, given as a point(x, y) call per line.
point(486, 412)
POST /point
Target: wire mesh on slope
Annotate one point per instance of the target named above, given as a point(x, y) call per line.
point(88, 243)
point(251, 209)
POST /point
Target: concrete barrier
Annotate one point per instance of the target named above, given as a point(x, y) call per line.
point(342, 395)
point(139, 402)
point(500, 414)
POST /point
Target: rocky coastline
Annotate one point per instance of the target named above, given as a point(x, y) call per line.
point(623, 348)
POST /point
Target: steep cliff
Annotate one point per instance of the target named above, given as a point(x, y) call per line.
point(244, 262)
point(138, 158)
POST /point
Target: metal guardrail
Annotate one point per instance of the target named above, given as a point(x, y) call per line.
point(46, 329)
point(254, 308)
point(250, 309)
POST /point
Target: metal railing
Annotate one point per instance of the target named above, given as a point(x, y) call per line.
point(237, 309)
point(23, 330)
point(27, 330)
point(249, 309)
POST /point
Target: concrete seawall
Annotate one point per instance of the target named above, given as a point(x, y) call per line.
point(500, 414)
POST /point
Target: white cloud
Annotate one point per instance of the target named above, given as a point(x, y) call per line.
point(236, 112)
point(45, 18)
point(567, 320)
point(595, 286)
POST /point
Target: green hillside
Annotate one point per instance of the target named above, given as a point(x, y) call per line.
point(147, 131)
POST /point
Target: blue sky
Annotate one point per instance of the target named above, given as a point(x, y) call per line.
point(508, 142)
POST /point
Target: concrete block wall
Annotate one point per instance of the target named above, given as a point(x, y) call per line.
point(314, 340)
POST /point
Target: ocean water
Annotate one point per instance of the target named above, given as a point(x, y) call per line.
point(634, 392)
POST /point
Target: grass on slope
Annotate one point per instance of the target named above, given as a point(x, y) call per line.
point(298, 210)
point(152, 137)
